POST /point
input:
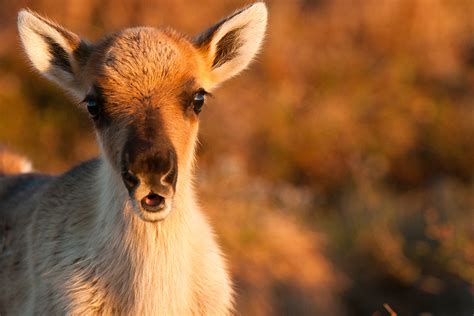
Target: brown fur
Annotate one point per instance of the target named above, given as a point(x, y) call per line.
point(80, 243)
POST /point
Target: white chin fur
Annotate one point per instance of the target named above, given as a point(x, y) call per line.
point(152, 216)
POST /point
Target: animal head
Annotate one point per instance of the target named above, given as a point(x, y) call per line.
point(144, 89)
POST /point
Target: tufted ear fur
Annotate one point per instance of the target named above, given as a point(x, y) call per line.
point(55, 52)
point(230, 45)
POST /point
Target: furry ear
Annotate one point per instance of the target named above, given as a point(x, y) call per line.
point(230, 45)
point(55, 52)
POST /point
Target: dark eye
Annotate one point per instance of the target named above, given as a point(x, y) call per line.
point(92, 107)
point(198, 101)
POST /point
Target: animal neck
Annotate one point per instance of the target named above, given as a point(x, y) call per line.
point(141, 259)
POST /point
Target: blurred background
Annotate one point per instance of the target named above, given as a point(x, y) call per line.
point(337, 170)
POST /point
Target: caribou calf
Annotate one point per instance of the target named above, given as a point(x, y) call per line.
point(122, 234)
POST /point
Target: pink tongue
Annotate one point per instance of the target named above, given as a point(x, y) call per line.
point(153, 200)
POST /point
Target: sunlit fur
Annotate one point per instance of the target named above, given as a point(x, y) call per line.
point(78, 243)
point(12, 163)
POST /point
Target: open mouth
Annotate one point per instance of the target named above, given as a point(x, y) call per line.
point(153, 202)
point(150, 205)
point(151, 194)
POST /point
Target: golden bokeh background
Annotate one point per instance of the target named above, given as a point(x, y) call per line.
point(337, 171)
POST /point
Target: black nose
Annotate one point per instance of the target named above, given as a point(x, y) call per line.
point(154, 166)
point(130, 180)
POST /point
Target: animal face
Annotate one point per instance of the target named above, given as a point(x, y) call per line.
point(144, 89)
point(145, 96)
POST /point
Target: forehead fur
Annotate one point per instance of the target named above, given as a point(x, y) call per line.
point(141, 62)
